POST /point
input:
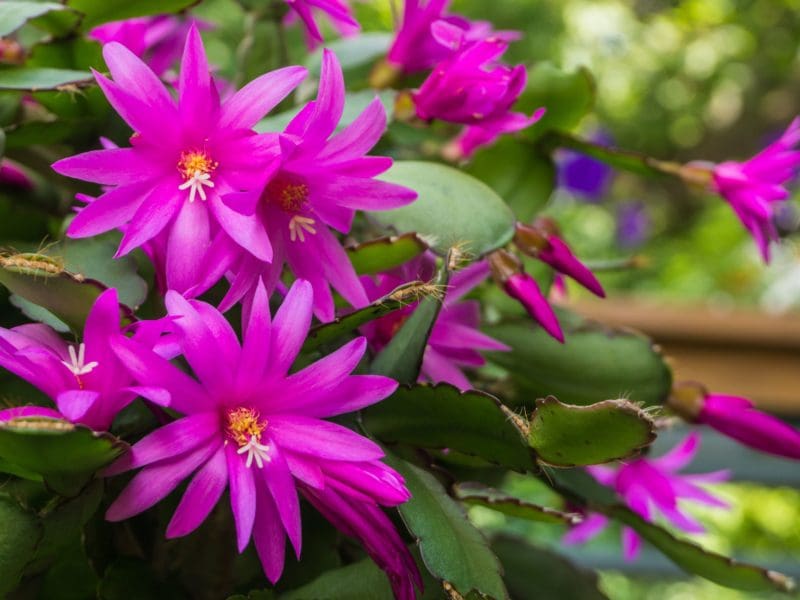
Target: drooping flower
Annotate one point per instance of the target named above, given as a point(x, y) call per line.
point(337, 11)
point(507, 271)
point(13, 176)
point(753, 187)
point(157, 40)
point(323, 178)
point(541, 241)
point(249, 425)
point(486, 133)
point(184, 159)
point(736, 418)
point(88, 384)
point(651, 486)
point(416, 48)
point(455, 341)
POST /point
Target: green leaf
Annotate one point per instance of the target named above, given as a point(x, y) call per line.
point(43, 281)
point(362, 580)
point(386, 253)
point(20, 532)
point(478, 494)
point(565, 435)
point(441, 416)
point(354, 105)
point(520, 173)
point(357, 53)
point(693, 559)
point(36, 80)
point(612, 363)
point(583, 489)
point(103, 11)
point(453, 209)
point(65, 455)
point(567, 96)
point(14, 15)
point(453, 550)
point(130, 579)
point(399, 298)
point(401, 358)
point(533, 573)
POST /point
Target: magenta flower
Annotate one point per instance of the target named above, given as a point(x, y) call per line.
point(474, 137)
point(524, 289)
point(185, 158)
point(13, 176)
point(249, 425)
point(322, 179)
point(337, 11)
point(416, 48)
point(736, 418)
point(156, 40)
point(649, 487)
point(471, 87)
point(87, 382)
point(753, 187)
point(455, 339)
point(541, 241)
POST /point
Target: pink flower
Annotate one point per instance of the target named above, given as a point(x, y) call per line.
point(323, 178)
point(87, 382)
point(185, 158)
point(474, 137)
point(156, 40)
point(650, 486)
point(416, 48)
point(736, 418)
point(13, 176)
point(471, 87)
point(753, 187)
point(523, 288)
point(541, 241)
point(249, 425)
point(455, 339)
point(337, 11)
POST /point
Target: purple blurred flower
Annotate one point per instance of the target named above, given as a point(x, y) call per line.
point(583, 175)
point(337, 11)
point(323, 178)
point(249, 425)
point(651, 486)
point(157, 40)
point(455, 339)
point(195, 149)
point(633, 224)
point(416, 48)
point(753, 187)
point(87, 382)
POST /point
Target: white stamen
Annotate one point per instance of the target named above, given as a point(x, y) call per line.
point(259, 452)
point(195, 185)
point(76, 364)
point(299, 225)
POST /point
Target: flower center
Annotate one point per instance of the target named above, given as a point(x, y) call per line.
point(196, 166)
point(291, 195)
point(77, 362)
point(245, 426)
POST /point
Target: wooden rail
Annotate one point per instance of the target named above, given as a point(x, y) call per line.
point(738, 352)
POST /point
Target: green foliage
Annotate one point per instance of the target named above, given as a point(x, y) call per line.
point(36, 80)
point(612, 363)
point(14, 15)
point(453, 209)
point(452, 549)
point(564, 435)
point(97, 12)
point(478, 495)
point(385, 254)
point(18, 538)
point(440, 416)
point(65, 455)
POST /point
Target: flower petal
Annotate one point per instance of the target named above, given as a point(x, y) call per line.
point(260, 96)
point(200, 497)
point(304, 435)
point(290, 327)
point(243, 497)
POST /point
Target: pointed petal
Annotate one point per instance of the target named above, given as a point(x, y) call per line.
point(290, 326)
point(119, 166)
point(243, 497)
point(260, 96)
point(201, 496)
point(153, 215)
point(189, 239)
point(323, 439)
point(109, 211)
point(283, 490)
point(268, 535)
